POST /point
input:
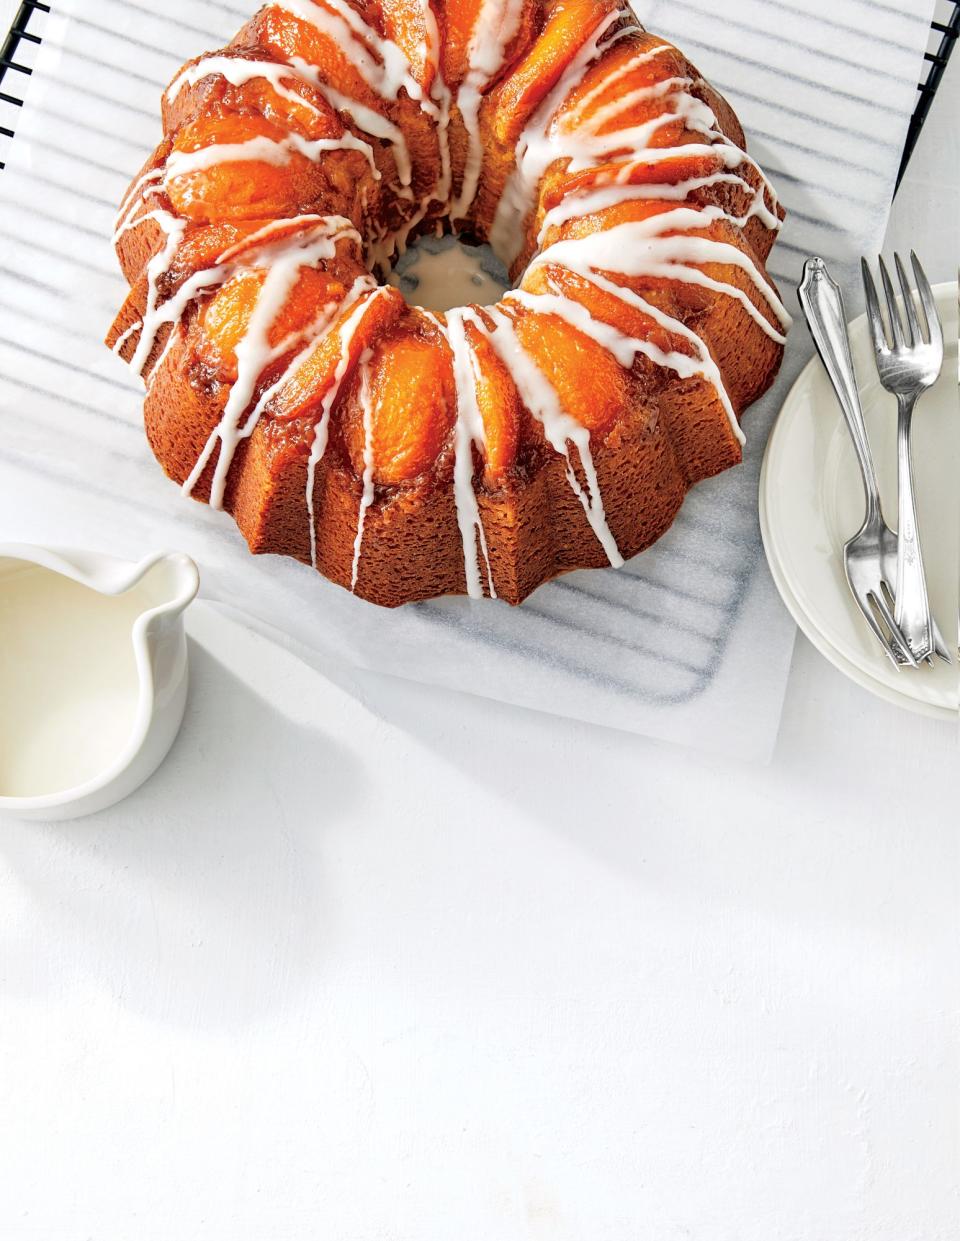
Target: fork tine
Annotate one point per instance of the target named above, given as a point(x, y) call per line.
point(927, 300)
point(866, 609)
point(896, 327)
point(873, 309)
point(913, 321)
point(897, 643)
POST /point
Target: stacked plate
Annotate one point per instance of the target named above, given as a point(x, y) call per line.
point(812, 502)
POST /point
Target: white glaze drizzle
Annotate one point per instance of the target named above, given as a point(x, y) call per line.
point(585, 149)
point(581, 143)
point(730, 157)
point(366, 498)
point(172, 310)
point(264, 150)
point(385, 247)
point(639, 248)
point(608, 112)
point(288, 226)
point(496, 26)
point(238, 71)
point(125, 336)
point(133, 201)
point(365, 118)
point(316, 332)
point(283, 263)
point(708, 367)
point(442, 102)
point(155, 315)
point(541, 399)
point(133, 190)
point(586, 202)
point(719, 147)
point(622, 347)
point(172, 337)
point(386, 73)
point(468, 431)
point(321, 429)
point(622, 71)
point(534, 151)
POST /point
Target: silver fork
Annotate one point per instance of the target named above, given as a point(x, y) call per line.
point(909, 362)
point(871, 554)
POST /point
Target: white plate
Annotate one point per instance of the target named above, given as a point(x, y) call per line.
point(811, 503)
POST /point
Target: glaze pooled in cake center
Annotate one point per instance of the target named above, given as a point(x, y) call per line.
point(441, 274)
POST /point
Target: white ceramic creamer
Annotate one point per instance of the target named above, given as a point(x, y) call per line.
point(93, 675)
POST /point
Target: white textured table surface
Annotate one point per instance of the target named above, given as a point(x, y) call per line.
point(369, 961)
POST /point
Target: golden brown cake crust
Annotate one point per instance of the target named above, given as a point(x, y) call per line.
point(409, 455)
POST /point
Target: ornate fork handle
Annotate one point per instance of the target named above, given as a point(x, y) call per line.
point(912, 604)
point(822, 301)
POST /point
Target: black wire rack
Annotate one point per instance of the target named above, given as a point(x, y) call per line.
point(944, 35)
point(13, 46)
point(948, 31)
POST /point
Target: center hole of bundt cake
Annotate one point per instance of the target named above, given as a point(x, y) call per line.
point(441, 273)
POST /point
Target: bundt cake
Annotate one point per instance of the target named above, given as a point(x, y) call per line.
point(408, 454)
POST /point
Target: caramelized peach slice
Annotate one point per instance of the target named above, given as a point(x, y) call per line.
point(337, 351)
point(589, 381)
point(203, 246)
point(405, 22)
point(499, 406)
point(668, 172)
point(603, 306)
point(206, 245)
point(671, 295)
point(622, 74)
point(274, 233)
point(226, 317)
point(313, 291)
point(458, 21)
point(223, 126)
point(286, 36)
point(314, 117)
point(569, 25)
point(459, 17)
point(238, 188)
point(410, 389)
point(295, 105)
point(627, 211)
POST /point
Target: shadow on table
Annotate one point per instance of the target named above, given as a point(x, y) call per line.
point(695, 831)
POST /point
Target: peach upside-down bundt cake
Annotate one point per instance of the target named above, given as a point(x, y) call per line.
point(408, 454)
